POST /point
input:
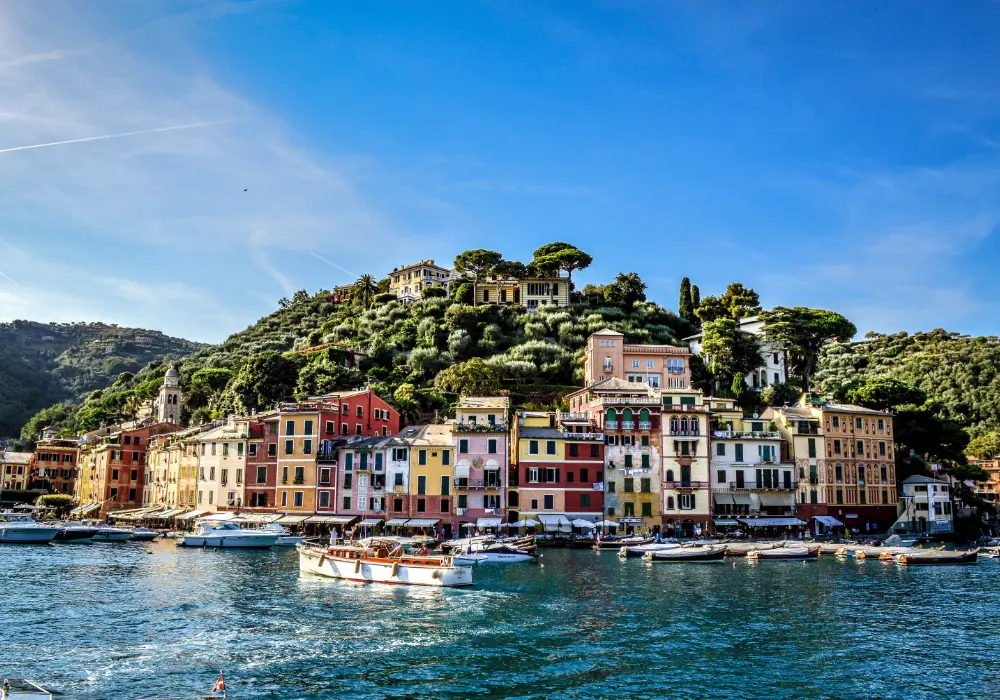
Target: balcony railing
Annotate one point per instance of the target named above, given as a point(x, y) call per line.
point(685, 433)
point(298, 480)
point(480, 427)
point(755, 486)
point(685, 484)
point(574, 417)
point(628, 424)
point(745, 435)
point(594, 437)
point(611, 425)
point(645, 425)
point(625, 401)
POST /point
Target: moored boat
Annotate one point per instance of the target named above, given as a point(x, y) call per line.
point(285, 536)
point(688, 555)
point(616, 544)
point(640, 550)
point(785, 554)
point(225, 534)
point(18, 528)
point(106, 533)
point(382, 560)
point(142, 534)
point(74, 533)
point(741, 549)
point(13, 689)
point(937, 558)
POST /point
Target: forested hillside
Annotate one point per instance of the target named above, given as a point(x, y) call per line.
point(44, 363)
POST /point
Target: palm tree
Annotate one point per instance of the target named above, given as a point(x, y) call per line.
point(365, 290)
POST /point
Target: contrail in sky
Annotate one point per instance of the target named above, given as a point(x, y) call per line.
point(9, 279)
point(334, 264)
point(115, 136)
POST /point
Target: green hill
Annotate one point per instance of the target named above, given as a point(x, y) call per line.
point(45, 363)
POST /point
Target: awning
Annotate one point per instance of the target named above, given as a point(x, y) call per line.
point(584, 524)
point(777, 499)
point(396, 521)
point(770, 522)
point(371, 521)
point(725, 523)
point(555, 522)
point(90, 509)
point(293, 519)
point(166, 513)
point(423, 522)
point(259, 517)
point(741, 499)
point(462, 471)
point(723, 498)
point(326, 519)
point(221, 516)
point(193, 514)
point(488, 522)
point(828, 520)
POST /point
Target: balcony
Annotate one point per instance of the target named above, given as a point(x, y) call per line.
point(626, 401)
point(645, 425)
point(745, 435)
point(480, 427)
point(297, 480)
point(611, 425)
point(628, 425)
point(592, 437)
point(574, 417)
point(755, 486)
point(685, 484)
point(684, 434)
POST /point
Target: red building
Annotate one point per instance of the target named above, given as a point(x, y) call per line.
point(262, 464)
point(121, 465)
point(54, 464)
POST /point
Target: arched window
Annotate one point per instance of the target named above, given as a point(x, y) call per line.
point(684, 424)
point(673, 425)
point(644, 415)
point(611, 416)
point(670, 476)
point(670, 502)
point(695, 426)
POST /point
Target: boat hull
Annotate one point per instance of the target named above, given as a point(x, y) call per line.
point(926, 560)
point(112, 536)
point(27, 535)
point(680, 556)
point(314, 562)
point(492, 558)
point(229, 541)
point(74, 536)
point(288, 540)
point(784, 554)
point(642, 549)
point(144, 536)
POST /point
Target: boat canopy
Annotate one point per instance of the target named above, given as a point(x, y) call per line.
point(555, 522)
point(770, 522)
point(828, 520)
point(488, 522)
point(422, 522)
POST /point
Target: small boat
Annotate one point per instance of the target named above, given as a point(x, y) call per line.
point(469, 559)
point(742, 549)
point(285, 536)
point(12, 689)
point(617, 543)
point(142, 534)
point(785, 554)
point(220, 533)
point(640, 550)
point(990, 552)
point(18, 528)
point(686, 555)
point(74, 533)
point(937, 558)
point(382, 560)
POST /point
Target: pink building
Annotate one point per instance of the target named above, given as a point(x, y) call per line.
point(481, 461)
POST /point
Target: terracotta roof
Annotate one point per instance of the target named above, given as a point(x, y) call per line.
point(15, 457)
point(616, 384)
point(483, 402)
point(848, 408)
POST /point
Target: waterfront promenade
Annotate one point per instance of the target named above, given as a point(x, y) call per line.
point(121, 622)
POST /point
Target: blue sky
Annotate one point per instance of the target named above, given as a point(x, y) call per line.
point(841, 155)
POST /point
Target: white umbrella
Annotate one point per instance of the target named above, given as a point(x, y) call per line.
point(606, 523)
point(580, 522)
point(527, 522)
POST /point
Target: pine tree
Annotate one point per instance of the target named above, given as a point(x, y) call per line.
point(685, 307)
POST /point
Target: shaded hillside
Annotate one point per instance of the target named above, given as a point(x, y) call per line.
point(960, 374)
point(43, 363)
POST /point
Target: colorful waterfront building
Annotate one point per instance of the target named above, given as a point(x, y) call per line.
point(925, 507)
point(398, 478)
point(222, 463)
point(557, 469)
point(989, 488)
point(608, 356)
point(15, 469)
point(432, 452)
point(532, 292)
point(362, 480)
point(481, 461)
point(54, 463)
point(262, 464)
point(753, 479)
point(845, 461)
point(687, 495)
point(409, 281)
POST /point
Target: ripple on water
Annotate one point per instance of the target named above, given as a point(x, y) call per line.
point(116, 622)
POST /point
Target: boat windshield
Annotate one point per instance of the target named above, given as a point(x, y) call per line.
point(15, 518)
point(219, 525)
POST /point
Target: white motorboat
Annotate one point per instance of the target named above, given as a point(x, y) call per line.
point(694, 555)
point(502, 554)
point(285, 537)
point(382, 560)
point(74, 533)
point(13, 689)
point(107, 533)
point(218, 533)
point(143, 534)
point(640, 550)
point(17, 528)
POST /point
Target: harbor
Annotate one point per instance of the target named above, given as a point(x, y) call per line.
point(127, 618)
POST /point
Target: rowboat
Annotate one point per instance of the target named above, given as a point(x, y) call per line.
point(743, 549)
point(686, 555)
point(382, 560)
point(642, 549)
point(937, 558)
point(785, 554)
point(617, 544)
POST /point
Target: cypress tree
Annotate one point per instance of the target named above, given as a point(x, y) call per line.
point(685, 308)
point(695, 297)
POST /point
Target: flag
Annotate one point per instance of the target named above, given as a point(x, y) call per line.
point(219, 685)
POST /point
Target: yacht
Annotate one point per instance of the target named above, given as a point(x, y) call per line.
point(74, 533)
point(220, 533)
point(285, 537)
point(106, 533)
point(143, 534)
point(17, 528)
point(382, 560)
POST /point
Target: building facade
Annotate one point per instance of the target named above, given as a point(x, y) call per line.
point(481, 438)
point(409, 281)
point(15, 469)
point(54, 463)
point(773, 368)
point(925, 507)
point(431, 474)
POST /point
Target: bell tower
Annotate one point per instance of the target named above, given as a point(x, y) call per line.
point(168, 403)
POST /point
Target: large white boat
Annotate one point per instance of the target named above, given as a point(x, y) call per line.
point(382, 560)
point(225, 534)
point(285, 537)
point(17, 528)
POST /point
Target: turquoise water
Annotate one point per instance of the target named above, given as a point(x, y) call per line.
point(123, 621)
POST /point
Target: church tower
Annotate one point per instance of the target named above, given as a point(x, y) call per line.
point(168, 404)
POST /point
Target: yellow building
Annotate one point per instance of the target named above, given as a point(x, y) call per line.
point(15, 469)
point(298, 445)
point(533, 292)
point(409, 281)
point(431, 471)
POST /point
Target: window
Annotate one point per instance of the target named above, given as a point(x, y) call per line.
point(421, 505)
point(307, 428)
point(421, 485)
point(720, 476)
point(444, 486)
point(357, 429)
point(574, 450)
point(840, 497)
point(399, 454)
point(595, 451)
point(862, 496)
point(549, 501)
point(491, 445)
point(360, 412)
point(289, 447)
point(550, 447)
point(885, 497)
point(463, 446)
point(551, 475)
point(629, 485)
point(347, 502)
point(836, 423)
point(881, 425)
point(211, 497)
point(307, 447)
point(324, 499)
point(422, 457)
point(445, 457)
point(272, 429)
point(628, 461)
point(284, 499)
point(812, 448)
point(397, 505)
point(883, 474)
point(881, 449)
point(720, 449)
point(272, 450)
point(202, 449)
point(635, 364)
point(324, 477)
point(533, 447)
point(253, 449)
point(569, 477)
point(739, 452)
point(261, 475)
point(378, 461)
point(300, 475)
point(225, 449)
point(532, 475)
point(329, 427)
point(289, 427)
point(836, 447)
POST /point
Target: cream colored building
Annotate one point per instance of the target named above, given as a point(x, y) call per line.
point(409, 281)
point(15, 469)
point(222, 461)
